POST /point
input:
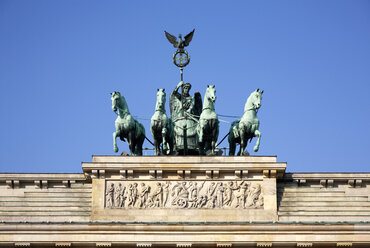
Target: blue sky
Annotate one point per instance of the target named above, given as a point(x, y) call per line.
point(59, 60)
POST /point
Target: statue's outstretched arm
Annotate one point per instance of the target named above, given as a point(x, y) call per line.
point(178, 86)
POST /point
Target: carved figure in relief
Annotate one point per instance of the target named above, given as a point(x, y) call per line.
point(122, 197)
point(230, 187)
point(194, 192)
point(219, 195)
point(211, 195)
point(181, 193)
point(132, 194)
point(253, 196)
point(158, 196)
point(166, 192)
point(175, 190)
point(202, 201)
point(259, 202)
point(144, 195)
point(117, 197)
point(110, 196)
point(241, 194)
point(184, 193)
point(150, 202)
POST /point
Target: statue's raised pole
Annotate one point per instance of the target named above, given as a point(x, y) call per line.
point(185, 140)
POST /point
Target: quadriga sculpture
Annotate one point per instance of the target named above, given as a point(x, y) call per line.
point(246, 128)
point(208, 127)
point(126, 126)
point(161, 126)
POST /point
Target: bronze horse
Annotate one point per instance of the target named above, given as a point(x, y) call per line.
point(208, 127)
point(126, 126)
point(161, 126)
point(246, 127)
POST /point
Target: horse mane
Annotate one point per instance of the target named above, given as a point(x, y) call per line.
point(124, 106)
point(247, 103)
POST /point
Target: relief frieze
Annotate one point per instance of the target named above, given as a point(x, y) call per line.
point(183, 194)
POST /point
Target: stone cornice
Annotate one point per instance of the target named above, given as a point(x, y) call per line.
point(328, 179)
point(209, 167)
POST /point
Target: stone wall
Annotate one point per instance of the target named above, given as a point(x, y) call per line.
point(185, 202)
point(44, 197)
point(331, 197)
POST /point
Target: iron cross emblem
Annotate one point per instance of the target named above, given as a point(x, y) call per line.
point(181, 57)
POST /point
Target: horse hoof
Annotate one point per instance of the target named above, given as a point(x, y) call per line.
point(245, 153)
point(115, 149)
point(255, 149)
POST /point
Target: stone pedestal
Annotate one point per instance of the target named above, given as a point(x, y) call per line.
point(184, 189)
point(203, 202)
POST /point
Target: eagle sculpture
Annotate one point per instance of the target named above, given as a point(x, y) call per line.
point(180, 44)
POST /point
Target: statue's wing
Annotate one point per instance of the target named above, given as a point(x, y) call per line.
point(198, 105)
point(172, 39)
point(188, 38)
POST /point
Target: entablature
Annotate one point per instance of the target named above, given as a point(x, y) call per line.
point(184, 167)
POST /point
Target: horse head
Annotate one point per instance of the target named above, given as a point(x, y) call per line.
point(115, 100)
point(256, 98)
point(161, 98)
point(211, 93)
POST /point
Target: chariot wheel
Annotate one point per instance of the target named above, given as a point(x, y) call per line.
point(182, 203)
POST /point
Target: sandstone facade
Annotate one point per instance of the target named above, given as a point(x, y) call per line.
point(121, 201)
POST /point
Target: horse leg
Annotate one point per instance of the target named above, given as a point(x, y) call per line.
point(240, 151)
point(156, 146)
point(135, 146)
point(258, 134)
point(169, 140)
point(202, 125)
point(242, 141)
point(232, 146)
point(214, 137)
point(139, 145)
point(131, 143)
point(164, 142)
point(213, 147)
point(242, 148)
point(153, 128)
point(115, 134)
point(201, 148)
point(232, 143)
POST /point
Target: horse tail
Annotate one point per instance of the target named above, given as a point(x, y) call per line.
point(233, 131)
point(139, 131)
